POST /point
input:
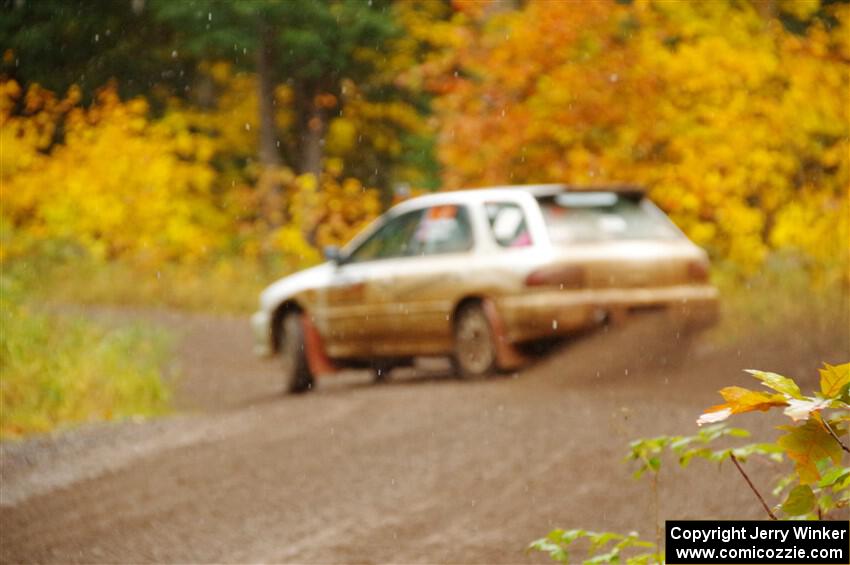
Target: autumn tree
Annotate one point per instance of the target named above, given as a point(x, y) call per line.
point(733, 113)
point(323, 77)
point(127, 185)
point(310, 46)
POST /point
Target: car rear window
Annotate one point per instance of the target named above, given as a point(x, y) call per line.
point(602, 216)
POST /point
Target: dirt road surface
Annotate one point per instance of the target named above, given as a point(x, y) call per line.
point(422, 469)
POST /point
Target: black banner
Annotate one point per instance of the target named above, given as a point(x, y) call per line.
point(694, 542)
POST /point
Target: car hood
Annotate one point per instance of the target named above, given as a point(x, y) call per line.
point(289, 286)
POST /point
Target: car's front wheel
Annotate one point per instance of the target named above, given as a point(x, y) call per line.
point(475, 343)
point(293, 354)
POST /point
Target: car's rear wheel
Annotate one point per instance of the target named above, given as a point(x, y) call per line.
point(475, 344)
point(293, 354)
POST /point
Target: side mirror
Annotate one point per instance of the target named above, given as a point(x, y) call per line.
point(332, 253)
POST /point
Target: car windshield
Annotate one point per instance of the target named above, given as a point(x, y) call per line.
point(603, 216)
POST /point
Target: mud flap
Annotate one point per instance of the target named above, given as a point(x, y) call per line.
point(508, 356)
point(317, 358)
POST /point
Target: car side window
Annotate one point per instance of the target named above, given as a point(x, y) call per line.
point(443, 229)
point(393, 239)
point(507, 224)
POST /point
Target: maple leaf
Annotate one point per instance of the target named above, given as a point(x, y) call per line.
point(777, 382)
point(834, 378)
point(800, 501)
point(741, 399)
point(806, 445)
point(802, 409)
point(714, 414)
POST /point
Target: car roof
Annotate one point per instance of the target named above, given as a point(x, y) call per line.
point(508, 191)
point(543, 190)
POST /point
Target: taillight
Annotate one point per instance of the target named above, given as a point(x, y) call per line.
point(698, 271)
point(563, 276)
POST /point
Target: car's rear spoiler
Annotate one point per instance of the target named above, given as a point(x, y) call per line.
point(549, 190)
point(604, 188)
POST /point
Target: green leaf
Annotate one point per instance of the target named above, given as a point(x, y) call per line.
point(612, 556)
point(769, 450)
point(713, 431)
point(826, 503)
point(844, 395)
point(777, 382)
point(783, 482)
point(637, 542)
point(598, 540)
point(567, 536)
point(555, 551)
point(564, 537)
point(833, 475)
point(644, 559)
point(654, 464)
point(800, 501)
point(701, 452)
point(681, 442)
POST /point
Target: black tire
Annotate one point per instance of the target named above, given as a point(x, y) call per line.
point(297, 377)
point(475, 343)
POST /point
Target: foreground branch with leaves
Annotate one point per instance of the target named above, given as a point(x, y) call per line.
point(818, 484)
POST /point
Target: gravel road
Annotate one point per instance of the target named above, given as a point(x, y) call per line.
point(422, 469)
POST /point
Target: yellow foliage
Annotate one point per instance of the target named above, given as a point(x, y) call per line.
point(330, 214)
point(825, 240)
point(117, 184)
point(123, 185)
point(234, 121)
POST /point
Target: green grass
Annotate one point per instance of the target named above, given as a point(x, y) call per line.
point(781, 297)
point(60, 271)
point(227, 286)
point(57, 370)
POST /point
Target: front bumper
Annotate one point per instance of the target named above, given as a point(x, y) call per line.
point(261, 326)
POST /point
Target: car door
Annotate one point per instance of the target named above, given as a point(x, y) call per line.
point(415, 293)
point(350, 318)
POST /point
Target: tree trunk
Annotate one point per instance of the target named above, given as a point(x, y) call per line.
point(268, 154)
point(314, 124)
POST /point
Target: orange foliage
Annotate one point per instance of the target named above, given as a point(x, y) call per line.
point(738, 126)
